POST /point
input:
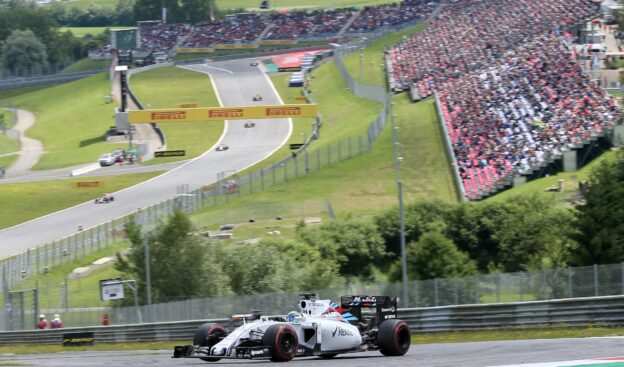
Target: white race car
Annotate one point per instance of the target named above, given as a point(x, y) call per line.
point(320, 328)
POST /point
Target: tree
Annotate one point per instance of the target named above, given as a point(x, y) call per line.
point(23, 50)
point(355, 245)
point(179, 269)
point(600, 219)
point(277, 265)
point(434, 256)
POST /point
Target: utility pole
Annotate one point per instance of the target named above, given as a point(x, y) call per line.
point(148, 272)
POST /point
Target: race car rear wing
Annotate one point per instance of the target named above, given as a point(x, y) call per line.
point(385, 306)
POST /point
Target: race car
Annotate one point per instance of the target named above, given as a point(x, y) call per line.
point(253, 63)
point(257, 98)
point(320, 328)
point(222, 147)
point(249, 124)
point(105, 199)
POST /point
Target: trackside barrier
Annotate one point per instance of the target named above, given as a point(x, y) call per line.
point(574, 312)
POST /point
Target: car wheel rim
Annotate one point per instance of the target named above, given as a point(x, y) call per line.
point(288, 343)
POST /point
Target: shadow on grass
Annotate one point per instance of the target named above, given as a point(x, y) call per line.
point(91, 141)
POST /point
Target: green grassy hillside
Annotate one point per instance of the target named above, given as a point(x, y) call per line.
point(71, 121)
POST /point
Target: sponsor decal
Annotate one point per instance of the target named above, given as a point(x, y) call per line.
point(367, 299)
point(257, 353)
point(81, 338)
point(226, 113)
point(170, 153)
point(87, 184)
point(283, 111)
point(165, 116)
point(391, 309)
point(341, 332)
point(389, 317)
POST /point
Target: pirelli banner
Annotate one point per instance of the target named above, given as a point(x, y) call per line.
point(235, 46)
point(221, 113)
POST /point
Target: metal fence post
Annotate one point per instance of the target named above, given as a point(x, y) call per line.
point(435, 291)
point(318, 159)
point(570, 286)
point(305, 161)
point(296, 166)
point(596, 280)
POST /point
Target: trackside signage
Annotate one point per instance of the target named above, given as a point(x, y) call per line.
point(221, 113)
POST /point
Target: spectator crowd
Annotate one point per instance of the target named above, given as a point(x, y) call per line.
point(511, 89)
point(249, 27)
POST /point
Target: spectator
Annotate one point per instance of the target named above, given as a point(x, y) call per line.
point(56, 323)
point(43, 323)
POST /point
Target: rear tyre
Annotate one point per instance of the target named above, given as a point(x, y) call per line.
point(208, 335)
point(393, 338)
point(282, 342)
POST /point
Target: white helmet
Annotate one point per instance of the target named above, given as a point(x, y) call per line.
point(57, 316)
point(42, 316)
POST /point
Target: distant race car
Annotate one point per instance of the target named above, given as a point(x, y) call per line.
point(2, 172)
point(320, 328)
point(105, 199)
point(249, 124)
point(222, 147)
point(254, 63)
point(257, 97)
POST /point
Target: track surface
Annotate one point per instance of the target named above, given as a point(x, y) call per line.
point(479, 354)
point(236, 87)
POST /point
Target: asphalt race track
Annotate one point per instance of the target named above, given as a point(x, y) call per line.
point(236, 84)
point(481, 354)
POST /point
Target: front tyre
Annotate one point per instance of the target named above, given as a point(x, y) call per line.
point(393, 338)
point(208, 335)
point(282, 342)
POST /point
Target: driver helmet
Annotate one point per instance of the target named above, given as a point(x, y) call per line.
point(292, 315)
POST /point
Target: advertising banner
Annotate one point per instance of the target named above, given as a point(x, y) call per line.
point(235, 46)
point(188, 50)
point(222, 113)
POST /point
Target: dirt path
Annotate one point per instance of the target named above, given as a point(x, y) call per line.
point(31, 149)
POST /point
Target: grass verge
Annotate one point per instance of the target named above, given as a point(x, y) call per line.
point(168, 87)
point(9, 93)
point(516, 334)
point(372, 70)
point(71, 121)
point(30, 200)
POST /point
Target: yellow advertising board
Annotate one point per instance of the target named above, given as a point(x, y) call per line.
point(86, 184)
point(221, 113)
point(188, 50)
point(235, 46)
point(278, 42)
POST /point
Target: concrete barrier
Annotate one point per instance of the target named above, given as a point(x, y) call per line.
point(86, 169)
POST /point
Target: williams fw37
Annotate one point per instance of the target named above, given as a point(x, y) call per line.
point(319, 328)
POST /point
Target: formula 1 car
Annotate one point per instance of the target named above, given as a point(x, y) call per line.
point(257, 98)
point(249, 124)
point(105, 199)
point(222, 147)
point(253, 63)
point(320, 328)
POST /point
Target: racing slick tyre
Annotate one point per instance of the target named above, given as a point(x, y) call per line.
point(282, 341)
point(208, 335)
point(393, 338)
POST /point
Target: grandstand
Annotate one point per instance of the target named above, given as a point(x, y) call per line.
point(247, 29)
point(512, 94)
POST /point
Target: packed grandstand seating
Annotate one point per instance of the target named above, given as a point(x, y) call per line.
point(518, 113)
point(469, 34)
point(162, 37)
point(248, 27)
point(243, 28)
point(316, 23)
point(512, 93)
point(374, 17)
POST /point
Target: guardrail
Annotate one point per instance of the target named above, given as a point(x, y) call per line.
point(603, 311)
